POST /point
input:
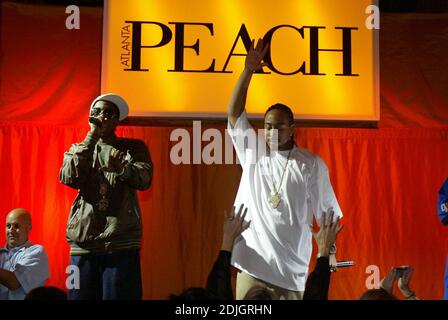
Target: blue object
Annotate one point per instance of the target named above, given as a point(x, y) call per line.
point(446, 280)
point(442, 210)
point(442, 204)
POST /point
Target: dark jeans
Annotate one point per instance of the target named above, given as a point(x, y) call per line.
point(113, 276)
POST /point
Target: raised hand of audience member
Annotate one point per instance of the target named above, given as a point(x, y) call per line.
point(404, 283)
point(327, 234)
point(234, 225)
point(387, 283)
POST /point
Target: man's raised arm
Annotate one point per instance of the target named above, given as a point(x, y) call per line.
point(253, 62)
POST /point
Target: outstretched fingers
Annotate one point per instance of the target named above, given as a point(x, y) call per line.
point(227, 216)
point(339, 228)
point(263, 53)
point(252, 45)
point(259, 46)
point(323, 222)
point(238, 215)
point(242, 217)
point(330, 217)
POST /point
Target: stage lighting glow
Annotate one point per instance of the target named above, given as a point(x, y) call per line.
point(182, 58)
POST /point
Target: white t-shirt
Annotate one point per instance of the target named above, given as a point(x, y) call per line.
point(277, 246)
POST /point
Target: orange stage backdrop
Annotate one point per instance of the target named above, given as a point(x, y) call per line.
point(386, 179)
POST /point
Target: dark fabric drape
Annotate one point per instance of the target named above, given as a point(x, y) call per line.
point(386, 179)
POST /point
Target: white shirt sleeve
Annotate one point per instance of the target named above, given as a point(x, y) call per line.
point(245, 140)
point(322, 196)
point(32, 269)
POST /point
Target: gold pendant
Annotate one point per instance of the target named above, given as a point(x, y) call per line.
point(274, 200)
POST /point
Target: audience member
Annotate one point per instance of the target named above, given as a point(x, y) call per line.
point(46, 293)
point(219, 284)
point(403, 276)
point(23, 265)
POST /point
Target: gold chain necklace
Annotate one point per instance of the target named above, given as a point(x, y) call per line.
point(275, 198)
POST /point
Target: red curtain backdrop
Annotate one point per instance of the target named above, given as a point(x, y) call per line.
point(386, 179)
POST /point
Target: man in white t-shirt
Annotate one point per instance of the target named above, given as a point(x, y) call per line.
point(282, 185)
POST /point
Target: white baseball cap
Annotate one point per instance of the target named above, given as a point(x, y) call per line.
point(121, 104)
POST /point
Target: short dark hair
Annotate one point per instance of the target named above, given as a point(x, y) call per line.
point(194, 293)
point(377, 294)
point(46, 293)
point(260, 292)
point(284, 108)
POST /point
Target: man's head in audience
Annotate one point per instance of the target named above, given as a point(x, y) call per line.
point(46, 293)
point(18, 226)
point(377, 294)
point(193, 294)
point(260, 292)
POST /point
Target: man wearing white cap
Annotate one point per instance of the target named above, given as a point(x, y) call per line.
point(104, 226)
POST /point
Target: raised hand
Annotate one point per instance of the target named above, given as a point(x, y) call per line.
point(404, 282)
point(327, 234)
point(253, 62)
point(387, 283)
point(255, 56)
point(234, 225)
point(96, 128)
point(116, 162)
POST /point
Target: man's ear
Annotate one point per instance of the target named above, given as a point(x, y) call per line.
point(291, 127)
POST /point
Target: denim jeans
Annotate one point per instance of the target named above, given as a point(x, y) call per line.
point(113, 276)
